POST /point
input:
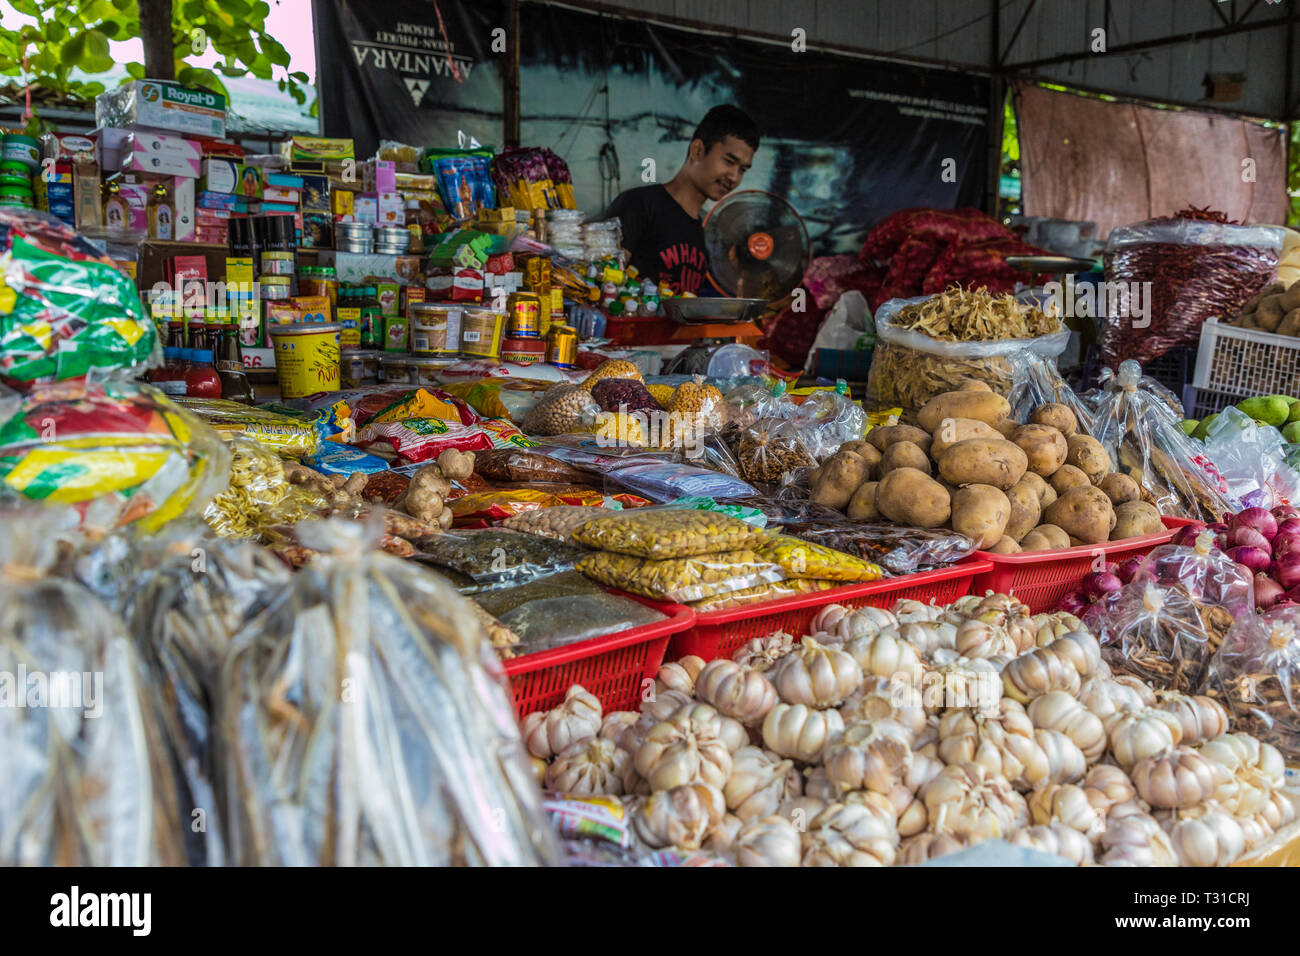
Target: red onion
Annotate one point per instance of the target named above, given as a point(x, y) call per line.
point(1112, 567)
point(1267, 592)
point(1289, 526)
point(1218, 527)
point(1129, 569)
point(1241, 537)
point(1292, 595)
point(1257, 519)
point(1186, 536)
point(1286, 571)
point(1282, 512)
point(1257, 559)
point(1286, 543)
point(1097, 585)
point(1074, 603)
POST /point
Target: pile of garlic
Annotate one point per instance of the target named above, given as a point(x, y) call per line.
point(897, 737)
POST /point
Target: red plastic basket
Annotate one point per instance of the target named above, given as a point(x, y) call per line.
point(611, 667)
point(1041, 578)
point(722, 633)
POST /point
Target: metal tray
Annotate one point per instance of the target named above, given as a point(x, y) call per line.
point(704, 311)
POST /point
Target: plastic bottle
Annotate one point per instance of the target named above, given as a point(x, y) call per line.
point(230, 368)
point(201, 379)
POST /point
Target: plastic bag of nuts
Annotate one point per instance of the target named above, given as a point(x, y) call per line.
point(560, 410)
point(680, 579)
point(668, 533)
point(770, 450)
point(557, 522)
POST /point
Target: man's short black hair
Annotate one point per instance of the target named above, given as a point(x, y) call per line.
point(723, 121)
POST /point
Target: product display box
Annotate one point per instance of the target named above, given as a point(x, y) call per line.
point(163, 105)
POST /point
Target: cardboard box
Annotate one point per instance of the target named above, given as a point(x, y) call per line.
point(85, 194)
point(144, 151)
point(183, 193)
point(315, 194)
point(220, 175)
point(163, 105)
point(343, 202)
point(365, 209)
point(390, 209)
point(271, 178)
point(72, 147)
point(222, 201)
point(316, 149)
point(278, 194)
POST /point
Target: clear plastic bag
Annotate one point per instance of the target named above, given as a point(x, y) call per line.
point(1251, 461)
point(1207, 574)
point(803, 559)
point(772, 449)
point(1145, 442)
point(896, 550)
point(497, 556)
point(827, 419)
point(562, 409)
point(1155, 634)
point(86, 771)
point(366, 721)
point(763, 592)
point(548, 623)
point(909, 367)
point(661, 480)
point(680, 580)
point(509, 464)
point(669, 532)
point(1256, 674)
point(557, 522)
point(1037, 381)
point(746, 404)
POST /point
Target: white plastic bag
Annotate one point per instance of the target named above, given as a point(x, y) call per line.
point(1251, 460)
point(849, 319)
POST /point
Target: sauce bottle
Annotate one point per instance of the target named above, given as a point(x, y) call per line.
point(230, 367)
point(201, 379)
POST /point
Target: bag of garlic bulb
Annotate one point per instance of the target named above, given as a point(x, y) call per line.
point(87, 778)
point(370, 681)
point(1154, 633)
point(1256, 675)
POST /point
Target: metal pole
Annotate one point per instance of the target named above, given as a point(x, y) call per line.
point(997, 97)
point(510, 77)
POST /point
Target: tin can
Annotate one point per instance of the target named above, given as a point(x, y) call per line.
point(480, 333)
point(274, 287)
point(435, 329)
point(306, 358)
point(525, 311)
point(562, 346)
point(277, 264)
point(523, 351)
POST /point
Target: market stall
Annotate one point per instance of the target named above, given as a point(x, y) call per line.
point(334, 468)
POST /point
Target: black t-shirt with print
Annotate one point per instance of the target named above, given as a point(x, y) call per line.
point(665, 243)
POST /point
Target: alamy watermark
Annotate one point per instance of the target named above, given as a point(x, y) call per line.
point(66, 690)
point(1094, 300)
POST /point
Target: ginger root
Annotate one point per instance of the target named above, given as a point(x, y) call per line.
point(457, 465)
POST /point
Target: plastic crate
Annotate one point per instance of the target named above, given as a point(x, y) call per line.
point(1173, 370)
point(1247, 361)
point(1200, 403)
point(1041, 578)
point(722, 633)
point(611, 667)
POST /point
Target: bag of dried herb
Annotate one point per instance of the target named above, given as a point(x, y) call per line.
point(1256, 674)
point(1155, 633)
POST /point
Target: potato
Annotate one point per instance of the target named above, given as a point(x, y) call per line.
point(885, 435)
point(856, 446)
point(904, 454)
point(1007, 428)
point(1135, 518)
point(984, 461)
point(973, 385)
point(1055, 415)
point(1089, 456)
point(1268, 314)
point(1290, 324)
point(984, 406)
point(909, 497)
point(1067, 477)
point(981, 513)
point(1120, 488)
point(862, 507)
point(1045, 492)
point(953, 430)
point(1044, 446)
point(813, 476)
point(1290, 299)
point(840, 476)
point(1026, 508)
point(1005, 545)
point(1054, 534)
point(1084, 513)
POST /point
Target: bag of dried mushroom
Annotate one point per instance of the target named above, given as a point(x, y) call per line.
point(931, 345)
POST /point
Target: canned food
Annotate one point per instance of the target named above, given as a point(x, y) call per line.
point(435, 329)
point(274, 287)
point(395, 369)
point(523, 351)
point(277, 264)
point(306, 358)
point(525, 311)
point(562, 346)
point(480, 333)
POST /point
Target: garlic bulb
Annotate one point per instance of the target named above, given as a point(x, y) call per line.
point(686, 748)
point(885, 654)
point(840, 624)
point(732, 731)
point(965, 682)
point(616, 722)
point(679, 675)
point(663, 705)
point(1057, 710)
point(961, 609)
point(1107, 785)
point(801, 811)
point(799, 732)
point(1179, 777)
point(1254, 831)
point(682, 817)
point(1048, 627)
point(1001, 740)
point(1010, 615)
point(1248, 771)
point(1214, 839)
point(1065, 761)
point(1061, 665)
point(1280, 811)
point(722, 838)
point(1201, 717)
point(908, 611)
point(828, 619)
point(875, 802)
point(816, 676)
point(1105, 697)
point(818, 784)
point(968, 800)
point(589, 768)
point(1134, 838)
point(975, 638)
point(1068, 804)
point(872, 756)
point(929, 637)
point(735, 691)
point(762, 653)
point(1138, 686)
point(546, 734)
point(768, 841)
point(538, 766)
point(849, 835)
point(1142, 733)
point(634, 783)
point(760, 782)
point(931, 845)
point(908, 800)
point(1056, 839)
point(882, 699)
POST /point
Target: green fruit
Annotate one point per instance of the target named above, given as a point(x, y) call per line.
point(1295, 413)
point(1188, 425)
point(1289, 399)
point(1268, 409)
point(1203, 428)
point(1291, 433)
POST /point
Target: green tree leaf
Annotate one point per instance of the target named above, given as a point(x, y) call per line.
point(135, 70)
point(73, 50)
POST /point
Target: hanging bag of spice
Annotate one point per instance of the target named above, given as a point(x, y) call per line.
point(1198, 263)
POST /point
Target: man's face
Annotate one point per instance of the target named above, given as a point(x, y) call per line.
point(721, 169)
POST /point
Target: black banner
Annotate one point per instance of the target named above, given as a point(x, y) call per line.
point(845, 140)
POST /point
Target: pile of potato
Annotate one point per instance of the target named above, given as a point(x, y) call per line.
point(969, 466)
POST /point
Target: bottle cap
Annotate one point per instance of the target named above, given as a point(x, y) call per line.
point(202, 355)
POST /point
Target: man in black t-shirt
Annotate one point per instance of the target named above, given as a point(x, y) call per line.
point(661, 224)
